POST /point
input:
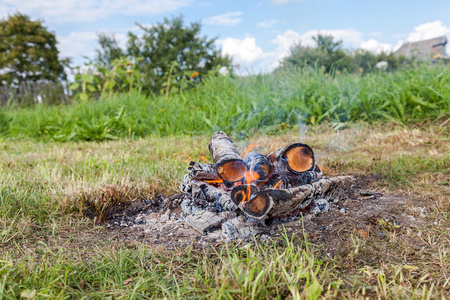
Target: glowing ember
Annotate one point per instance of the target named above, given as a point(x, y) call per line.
point(214, 181)
point(277, 184)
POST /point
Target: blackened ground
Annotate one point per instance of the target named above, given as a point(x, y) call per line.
point(365, 214)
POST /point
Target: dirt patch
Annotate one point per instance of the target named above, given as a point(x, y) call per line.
point(365, 213)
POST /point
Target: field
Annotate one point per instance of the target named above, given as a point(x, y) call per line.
point(389, 130)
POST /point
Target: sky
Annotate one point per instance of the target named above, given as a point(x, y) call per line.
point(256, 34)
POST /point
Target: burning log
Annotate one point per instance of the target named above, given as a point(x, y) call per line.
point(293, 159)
point(242, 193)
point(272, 202)
point(259, 167)
point(229, 164)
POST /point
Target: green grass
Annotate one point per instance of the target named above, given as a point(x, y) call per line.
point(49, 249)
point(242, 106)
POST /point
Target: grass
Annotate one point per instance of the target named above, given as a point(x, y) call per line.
point(242, 106)
point(49, 249)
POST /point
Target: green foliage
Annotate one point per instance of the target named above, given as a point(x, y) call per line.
point(28, 50)
point(4, 124)
point(162, 47)
point(332, 57)
point(109, 50)
point(267, 103)
point(123, 76)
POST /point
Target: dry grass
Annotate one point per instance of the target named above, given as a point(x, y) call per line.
point(48, 247)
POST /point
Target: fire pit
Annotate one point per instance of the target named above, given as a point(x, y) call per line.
point(241, 195)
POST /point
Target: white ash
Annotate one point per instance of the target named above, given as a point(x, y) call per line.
point(239, 229)
point(320, 206)
point(203, 221)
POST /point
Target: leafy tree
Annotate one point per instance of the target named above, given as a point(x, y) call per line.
point(28, 51)
point(169, 52)
point(328, 54)
point(109, 50)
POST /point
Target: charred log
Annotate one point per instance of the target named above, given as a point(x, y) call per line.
point(270, 203)
point(293, 159)
point(293, 180)
point(203, 172)
point(229, 164)
point(200, 191)
point(260, 169)
point(242, 193)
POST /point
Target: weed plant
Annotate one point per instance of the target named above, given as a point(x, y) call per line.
point(244, 104)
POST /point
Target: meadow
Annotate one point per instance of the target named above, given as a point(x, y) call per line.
point(390, 127)
point(242, 105)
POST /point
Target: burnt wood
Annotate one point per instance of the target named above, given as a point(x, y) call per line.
point(201, 172)
point(259, 167)
point(293, 159)
point(272, 202)
point(293, 180)
point(242, 193)
point(228, 163)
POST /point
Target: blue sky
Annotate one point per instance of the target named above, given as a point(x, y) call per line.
point(257, 34)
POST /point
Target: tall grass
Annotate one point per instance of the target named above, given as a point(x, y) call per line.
point(243, 104)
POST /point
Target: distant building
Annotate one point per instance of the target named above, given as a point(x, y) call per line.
point(432, 49)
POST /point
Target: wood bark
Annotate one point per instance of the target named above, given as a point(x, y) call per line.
point(260, 169)
point(294, 180)
point(202, 172)
point(293, 159)
point(272, 202)
point(229, 164)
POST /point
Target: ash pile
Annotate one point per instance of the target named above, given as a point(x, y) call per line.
point(243, 196)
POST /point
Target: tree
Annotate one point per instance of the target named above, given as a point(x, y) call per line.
point(109, 50)
point(28, 51)
point(169, 51)
point(328, 54)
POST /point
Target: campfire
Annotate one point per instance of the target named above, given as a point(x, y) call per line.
point(241, 194)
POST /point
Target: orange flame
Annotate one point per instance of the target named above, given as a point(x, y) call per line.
point(276, 185)
point(247, 194)
point(214, 181)
point(251, 176)
point(248, 149)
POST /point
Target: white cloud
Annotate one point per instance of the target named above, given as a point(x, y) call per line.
point(244, 52)
point(78, 43)
point(428, 31)
point(56, 11)
point(252, 58)
point(375, 46)
point(285, 41)
point(227, 19)
point(84, 43)
point(266, 24)
point(398, 45)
